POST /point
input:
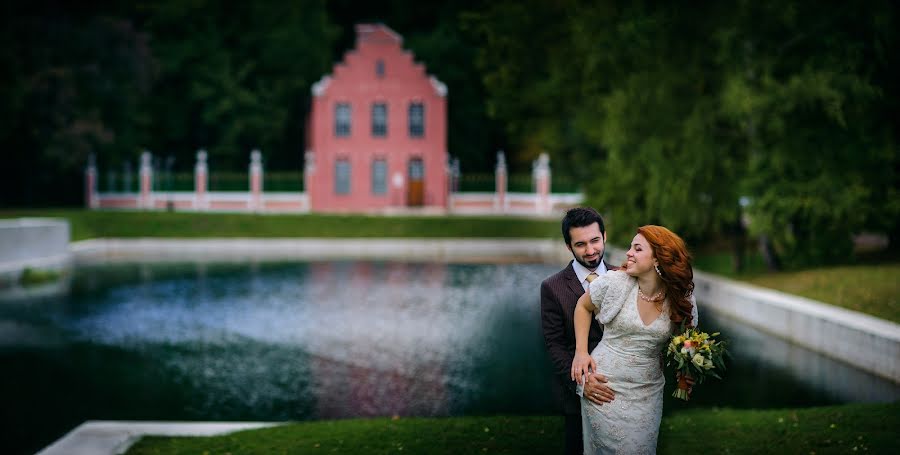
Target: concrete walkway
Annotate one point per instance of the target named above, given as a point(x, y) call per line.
point(111, 437)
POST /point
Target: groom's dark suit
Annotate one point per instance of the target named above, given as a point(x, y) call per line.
point(559, 294)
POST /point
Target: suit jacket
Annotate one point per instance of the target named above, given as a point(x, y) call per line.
point(559, 294)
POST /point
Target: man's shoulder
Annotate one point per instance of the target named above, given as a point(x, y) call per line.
point(558, 276)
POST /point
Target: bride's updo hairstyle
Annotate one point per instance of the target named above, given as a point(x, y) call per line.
point(674, 269)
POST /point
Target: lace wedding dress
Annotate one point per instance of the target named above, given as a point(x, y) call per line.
point(630, 356)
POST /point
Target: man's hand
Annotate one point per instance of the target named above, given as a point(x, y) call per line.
point(596, 389)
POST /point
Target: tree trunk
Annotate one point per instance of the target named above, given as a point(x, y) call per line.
point(768, 252)
point(738, 243)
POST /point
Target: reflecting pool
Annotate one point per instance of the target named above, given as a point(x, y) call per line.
point(323, 340)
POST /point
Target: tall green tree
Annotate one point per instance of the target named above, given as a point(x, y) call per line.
point(676, 115)
point(672, 160)
point(234, 78)
point(530, 71)
point(111, 79)
point(72, 82)
point(810, 88)
point(622, 96)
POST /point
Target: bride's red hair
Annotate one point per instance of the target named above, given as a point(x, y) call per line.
point(674, 269)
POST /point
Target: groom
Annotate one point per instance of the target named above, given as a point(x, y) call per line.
point(585, 237)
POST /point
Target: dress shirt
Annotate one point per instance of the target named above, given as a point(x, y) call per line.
point(582, 272)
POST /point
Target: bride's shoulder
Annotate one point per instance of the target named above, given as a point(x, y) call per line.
point(611, 293)
point(612, 282)
point(617, 278)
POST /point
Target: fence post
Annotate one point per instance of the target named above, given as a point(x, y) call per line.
point(146, 200)
point(91, 200)
point(256, 180)
point(500, 183)
point(201, 202)
point(541, 177)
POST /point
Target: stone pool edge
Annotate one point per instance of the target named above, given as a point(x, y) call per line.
point(116, 437)
point(271, 249)
point(858, 339)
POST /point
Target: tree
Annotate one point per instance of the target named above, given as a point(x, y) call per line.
point(675, 115)
point(235, 78)
point(526, 63)
point(672, 159)
point(811, 97)
point(72, 87)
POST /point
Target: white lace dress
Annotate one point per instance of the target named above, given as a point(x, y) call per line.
point(630, 355)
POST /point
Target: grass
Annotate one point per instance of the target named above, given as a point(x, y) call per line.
point(129, 224)
point(869, 289)
point(869, 286)
point(859, 428)
point(34, 277)
point(852, 428)
point(720, 263)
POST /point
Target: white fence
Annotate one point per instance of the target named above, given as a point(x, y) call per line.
point(541, 202)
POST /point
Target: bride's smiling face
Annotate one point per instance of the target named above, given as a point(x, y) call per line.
point(640, 258)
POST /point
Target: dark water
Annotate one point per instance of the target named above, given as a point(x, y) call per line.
point(327, 340)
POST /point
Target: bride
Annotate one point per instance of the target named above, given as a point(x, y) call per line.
point(639, 307)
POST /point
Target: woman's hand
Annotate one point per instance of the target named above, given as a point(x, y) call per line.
point(688, 379)
point(582, 364)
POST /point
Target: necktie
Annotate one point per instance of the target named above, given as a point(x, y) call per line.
point(591, 277)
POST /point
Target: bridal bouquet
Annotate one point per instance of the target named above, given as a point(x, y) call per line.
point(697, 355)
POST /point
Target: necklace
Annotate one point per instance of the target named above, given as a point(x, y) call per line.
point(656, 297)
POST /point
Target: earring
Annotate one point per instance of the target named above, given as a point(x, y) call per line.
point(657, 270)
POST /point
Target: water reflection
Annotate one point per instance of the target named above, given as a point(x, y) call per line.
point(766, 354)
point(329, 340)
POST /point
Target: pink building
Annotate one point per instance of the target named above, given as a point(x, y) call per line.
point(376, 142)
point(377, 133)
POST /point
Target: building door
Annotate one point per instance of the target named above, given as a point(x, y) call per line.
point(416, 188)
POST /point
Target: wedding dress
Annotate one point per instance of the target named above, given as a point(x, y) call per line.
point(630, 356)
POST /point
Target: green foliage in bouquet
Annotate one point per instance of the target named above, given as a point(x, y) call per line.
point(697, 355)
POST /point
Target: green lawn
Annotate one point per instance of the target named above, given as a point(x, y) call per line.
point(869, 286)
point(124, 224)
point(872, 289)
point(856, 428)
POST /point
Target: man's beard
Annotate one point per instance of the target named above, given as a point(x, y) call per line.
point(590, 265)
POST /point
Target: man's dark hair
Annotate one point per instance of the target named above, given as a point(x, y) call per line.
point(580, 217)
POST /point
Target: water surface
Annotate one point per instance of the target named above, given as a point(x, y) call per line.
point(323, 340)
